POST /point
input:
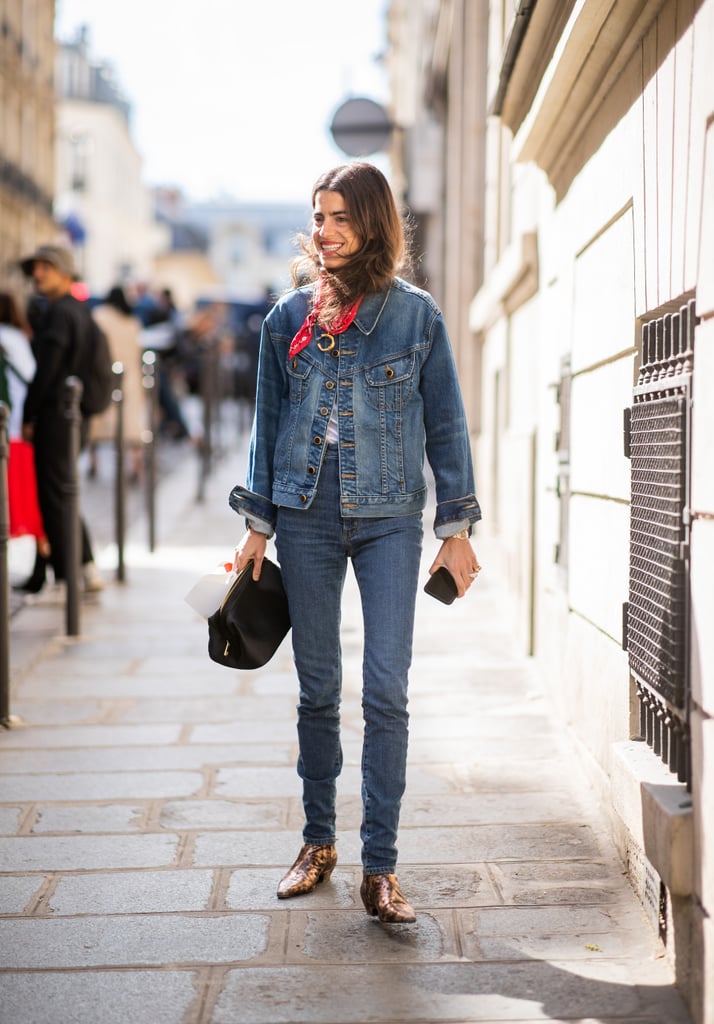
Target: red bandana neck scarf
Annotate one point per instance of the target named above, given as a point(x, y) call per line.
point(337, 326)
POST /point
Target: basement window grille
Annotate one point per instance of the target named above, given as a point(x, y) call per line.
point(656, 621)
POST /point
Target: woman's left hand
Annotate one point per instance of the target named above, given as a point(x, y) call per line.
point(252, 545)
point(460, 559)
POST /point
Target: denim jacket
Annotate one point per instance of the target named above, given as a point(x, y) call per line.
point(393, 379)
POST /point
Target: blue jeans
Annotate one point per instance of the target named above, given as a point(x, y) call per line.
point(313, 547)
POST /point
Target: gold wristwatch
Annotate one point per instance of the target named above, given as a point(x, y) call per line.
point(461, 535)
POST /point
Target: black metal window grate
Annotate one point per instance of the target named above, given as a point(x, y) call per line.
point(657, 619)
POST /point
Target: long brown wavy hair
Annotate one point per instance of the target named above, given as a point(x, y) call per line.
point(383, 248)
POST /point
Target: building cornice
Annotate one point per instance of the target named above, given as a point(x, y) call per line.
point(595, 46)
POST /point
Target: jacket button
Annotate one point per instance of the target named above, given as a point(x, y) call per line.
point(335, 353)
point(303, 498)
point(317, 440)
point(324, 411)
point(311, 470)
point(330, 385)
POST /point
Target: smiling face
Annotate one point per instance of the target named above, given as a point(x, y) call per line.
point(333, 236)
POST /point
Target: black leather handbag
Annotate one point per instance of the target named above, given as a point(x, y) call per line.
point(252, 621)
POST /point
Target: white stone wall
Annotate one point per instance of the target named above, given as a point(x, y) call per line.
point(629, 229)
point(598, 215)
point(112, 203)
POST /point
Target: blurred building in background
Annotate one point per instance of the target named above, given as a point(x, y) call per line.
point(70, 172)
point(558, 159)
point(228, 249)
point(101, 200)
point(437, 62)
point(27, 129)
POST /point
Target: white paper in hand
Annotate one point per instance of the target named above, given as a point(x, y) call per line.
point(206, 594)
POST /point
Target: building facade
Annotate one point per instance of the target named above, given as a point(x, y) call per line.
point(101, 199)
point(250, 245)
point(27, 129)
point(568, 148)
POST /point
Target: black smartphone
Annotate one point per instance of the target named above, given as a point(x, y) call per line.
point(441, 585)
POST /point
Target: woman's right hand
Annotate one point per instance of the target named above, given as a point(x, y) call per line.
point(252, 545)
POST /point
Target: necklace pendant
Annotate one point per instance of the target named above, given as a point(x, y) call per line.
point(330, 344)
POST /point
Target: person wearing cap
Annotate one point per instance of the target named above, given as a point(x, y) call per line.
point(59, 330)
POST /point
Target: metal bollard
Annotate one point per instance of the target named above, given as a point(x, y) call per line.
point(204, 451)
point(150, 382)
point(209, 389)
point(73, 394)
point(119, 480)
point(5, 718)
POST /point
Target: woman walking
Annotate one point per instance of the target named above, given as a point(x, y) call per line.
point(356, 386)
point(116, 318)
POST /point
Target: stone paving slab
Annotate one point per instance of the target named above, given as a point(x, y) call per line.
point(430, 994)
point(88, 736)
point(493, 842)
point(131, 940)
point(16, 893)
point(99, 786)
point(491, 724)
point(112, 818)
point(222, 814)
point(70, 712)
point(485, 808)
point(494, 751)
point(546, 933)
point(76, 853)
point(132, 892)
point(332, 937)
point(9, 820)
point(456, 845)
point(567, 882)
point(478, 775)
point(185, 757)
point(129, 684)
point(109, 997)
point(207, 708)
point(239, 732)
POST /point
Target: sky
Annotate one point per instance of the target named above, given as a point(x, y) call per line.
point(233, 98)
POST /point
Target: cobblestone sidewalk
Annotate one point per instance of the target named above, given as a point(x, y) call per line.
point(150, 803)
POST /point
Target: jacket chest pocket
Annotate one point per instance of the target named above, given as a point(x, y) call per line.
point(299, 371)
point(390, 382)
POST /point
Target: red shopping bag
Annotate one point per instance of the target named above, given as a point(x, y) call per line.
point(25, 517)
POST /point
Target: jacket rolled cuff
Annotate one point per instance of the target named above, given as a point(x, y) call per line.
point(454, 516)
point(259, 512)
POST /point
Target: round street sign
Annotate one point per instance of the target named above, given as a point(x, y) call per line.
point(360, 127)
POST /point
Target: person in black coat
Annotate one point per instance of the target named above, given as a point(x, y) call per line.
point(58, 334)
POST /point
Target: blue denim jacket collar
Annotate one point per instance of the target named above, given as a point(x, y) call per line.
point(370, 311)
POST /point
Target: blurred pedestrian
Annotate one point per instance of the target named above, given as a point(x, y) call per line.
point(116, 318)
point(58, 336)
point(356, 386)
point(18, 362)
point(17, 368)
point(161, 334)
